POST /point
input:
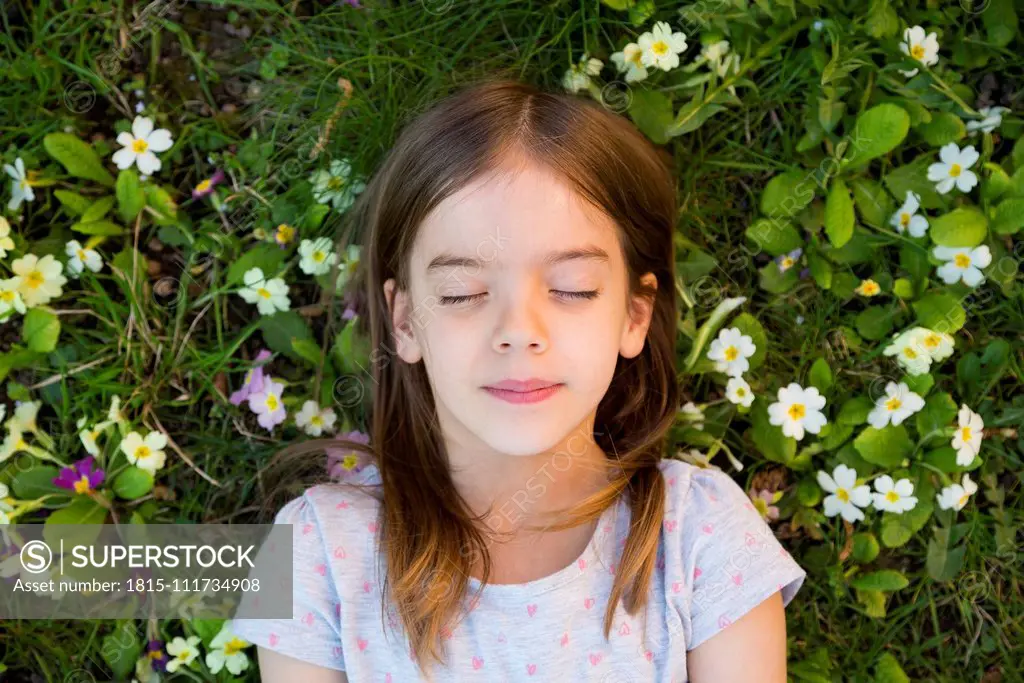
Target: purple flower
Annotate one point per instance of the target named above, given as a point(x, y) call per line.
point(253, 383)
point(787, 261)
point(157, 656)
point(80, 477)
point(349, 313)
point(206, 187)
point(342, 462)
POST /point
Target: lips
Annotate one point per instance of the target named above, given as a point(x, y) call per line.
point(522, 385)
point(531, 390)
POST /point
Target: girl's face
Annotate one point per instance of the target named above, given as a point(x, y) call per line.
point(517, 279)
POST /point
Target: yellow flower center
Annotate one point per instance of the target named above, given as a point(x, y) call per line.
point(142, 452)
point(34, 279)
point(962, 260)
point(797, 411)
point(869, 288)
point(203, 186)
point(732, 353)
point(963, 500)
point(741, 392)
point(316, 420)
point(637, 58)
point(350, 461)
point(917, 51)
point(272, 402)
point(7, 295)
point(285, 233)
point(335, 183)
point(263, 292)
point(965, 433)
point(955, 170)
point(234, 646)
point(786, 263)
point(932, 341)
point(184, 655)
point(843, 495)
point(660, 48)
point(23, 185)
point(139, 146)
point(893, 404)
point(82, 485)
point(319, 256)
point(904, 219)
point(81, 254)
point(155, 654)
point(909, 353)
point(892, 497)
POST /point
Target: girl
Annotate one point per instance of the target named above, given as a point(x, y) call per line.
point(517, 520)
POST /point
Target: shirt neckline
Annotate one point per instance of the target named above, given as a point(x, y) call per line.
point(591, 555)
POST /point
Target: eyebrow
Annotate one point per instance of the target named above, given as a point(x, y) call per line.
point(589, 252)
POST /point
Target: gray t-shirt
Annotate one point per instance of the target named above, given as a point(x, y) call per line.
point(716, 561)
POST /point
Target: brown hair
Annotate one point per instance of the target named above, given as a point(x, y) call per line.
point(426, 530)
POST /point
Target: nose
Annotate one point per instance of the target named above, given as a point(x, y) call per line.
point(521, 325)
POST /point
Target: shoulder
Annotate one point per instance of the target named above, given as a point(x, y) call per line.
point(334, 503)
point(705, 489)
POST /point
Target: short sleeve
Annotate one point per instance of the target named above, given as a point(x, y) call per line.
point(732, 556)
point(313, 634)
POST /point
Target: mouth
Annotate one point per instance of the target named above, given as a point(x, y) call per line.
point(523, 391)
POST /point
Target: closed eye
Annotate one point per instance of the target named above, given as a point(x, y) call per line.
point(452, 300)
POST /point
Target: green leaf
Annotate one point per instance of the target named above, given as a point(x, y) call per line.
point(919, 384)
point(77, 157)
point(855, 411)
point(281, 329)
point(133, 483)
point(876, 132)
point(865, 547)
point(944, 460)
point(943, 562)
point(37, 482)
point(159, 200)
point(351, 351)
point(903, 288)
point(130, 196)
point(996, 183)
point(121, 649)
point(881, 20)
point(775, 281)
point(914, 177)
point(749, 325)
point(1000, 20)
point(898, 529)
point(945, 127)
point(873, 601)
point(885, 447)
point(40, 330)
point(267, 257)
point(821, 269)
point(774, 237)
point(75, 204)
point(651, 111)
point(820, 375)
point(887, 580)
point(941, 312)
point(82, 510)
point(1008, 217)
point(787, 194)
point(888, 670)
point(873, 203)
point(98, 209)
point(308, 350)
point(961, 227)
point(105, 228)
point(839, 218)
point(768, 438)
point(938, 412)
point(692, 116)
point(874, 323)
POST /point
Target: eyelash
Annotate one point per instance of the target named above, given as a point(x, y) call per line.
point(452, 300)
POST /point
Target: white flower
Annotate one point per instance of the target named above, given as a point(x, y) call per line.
point(628, 61)
point(847, 498)
point(314, 420)
point(349, 264)
point(138, 146)
point(21, 191)
point(89, 436)
point(694, 415)
point(721, 61)
point(145, 453)
point(731, 351)
point(738, 391)
point(661, 47)
point(798, 410)
point(910, 352)
point(906, 219)
point(577, 77)
point(139, 106)
point(182, 652)
point(6, 243)
point(226, 650)
point(962, 263)
point(897, 405)
point(868, 287)
point(697, 459)
point(269, 296)
point(38, 279)
point(10, 299)
point(923, 49)
point(992, 118)
point(938, 345)
point(956, 496)
point(952, 169)
point(967, 440)
point(81, 259)
point(335, 186)
point(317, 257)
point(896, 497)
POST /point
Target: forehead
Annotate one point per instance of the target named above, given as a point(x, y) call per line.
point(515, 219)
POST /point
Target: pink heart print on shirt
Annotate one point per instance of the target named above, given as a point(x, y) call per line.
point(595, 658)
point(321, 569)
point(737, 578)
point(696, 573)
point(671, 482)
point(372, 527)
point(478, 662)
point(565, 639)
point(588, 602)
point(531, 609)
point(708, 528)
point(750, 540)
point(343, 505)
point(724, 621)
point(362, 643)
point(677, 586)
point(336, 651)
point(531, 669)
point(502, 638)
point(308, 619)
point(670, 525)
point(306, 529)
point(274, 639)
point(582, 564)
point(340, 553)
point(624, 629)
point(649, 655)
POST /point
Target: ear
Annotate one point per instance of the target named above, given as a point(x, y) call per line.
point(406, 345)
point(638, 321)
